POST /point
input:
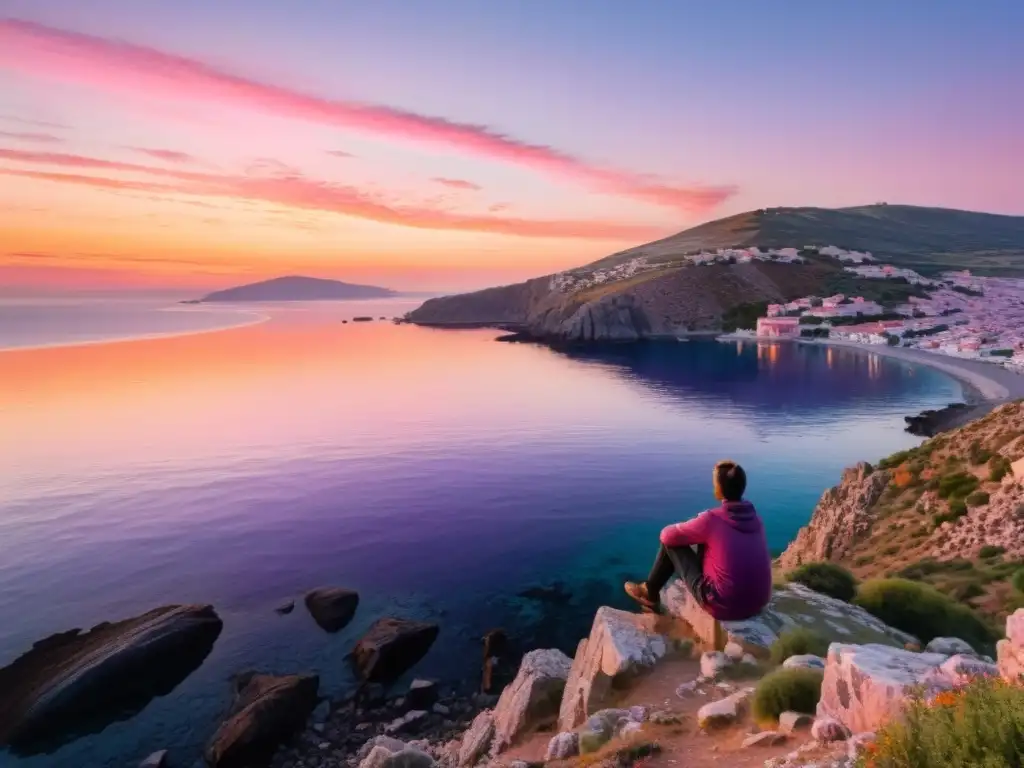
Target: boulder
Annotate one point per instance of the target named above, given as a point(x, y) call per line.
point(563, 746)
point(764, 739)
point(1010, 652)
point(389, 742)
point(621, 646)
point(791, 722)
point(285, 608)
point(804, 661)
point(864, 686)
point(407, 722)
point(950, 646)
point(961, 669)
point(394, 754)
point(725, 711)
point(75, 683)
point(714, 663)
point(267, 710)
point(332, 608)
point(793, 605)
point(155, 760)
point(477, 739)
point(421, 694)
point(603, 726)
point(827, 729)
point(532, 699)
point(391, 646)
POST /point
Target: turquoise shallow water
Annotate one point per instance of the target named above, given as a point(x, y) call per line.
point(437, 472)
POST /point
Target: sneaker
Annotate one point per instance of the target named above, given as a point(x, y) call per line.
point(638, 591)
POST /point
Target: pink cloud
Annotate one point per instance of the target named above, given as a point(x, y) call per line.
point(339, 153)
point(31, 136)
point(34, 123)
point(170, 155)
point(457, 184)
point(120, 66)
point(295, 190)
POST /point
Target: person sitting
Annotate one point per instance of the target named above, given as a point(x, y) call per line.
point(721, 555)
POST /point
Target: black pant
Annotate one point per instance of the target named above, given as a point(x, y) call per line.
point(689, 564)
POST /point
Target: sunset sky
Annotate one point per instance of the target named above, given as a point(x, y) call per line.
point(453, 144)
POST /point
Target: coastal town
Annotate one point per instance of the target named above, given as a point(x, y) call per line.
point(957, 313)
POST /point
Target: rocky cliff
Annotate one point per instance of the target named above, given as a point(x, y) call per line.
point(658, 303)
point(949, 513)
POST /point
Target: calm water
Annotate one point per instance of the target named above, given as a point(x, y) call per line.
point(437, 472)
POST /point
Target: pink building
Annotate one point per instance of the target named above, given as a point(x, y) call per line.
point(778, 327)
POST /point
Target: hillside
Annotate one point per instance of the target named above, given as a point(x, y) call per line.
point(928, 240)
point(613, 299)
point(949, 513)
point(298, 288)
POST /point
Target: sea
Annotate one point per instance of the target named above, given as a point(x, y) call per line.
point(242, 455)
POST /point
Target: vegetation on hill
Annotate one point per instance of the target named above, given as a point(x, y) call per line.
point(828, 578)
point(941, 546)
point(787, 690)
point(979, 725)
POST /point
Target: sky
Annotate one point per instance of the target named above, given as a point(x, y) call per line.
point(451, 145)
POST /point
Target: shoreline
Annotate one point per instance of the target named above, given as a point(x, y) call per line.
point(982, 382)
point(255, 319)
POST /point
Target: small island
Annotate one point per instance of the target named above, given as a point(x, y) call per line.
point(296, 288)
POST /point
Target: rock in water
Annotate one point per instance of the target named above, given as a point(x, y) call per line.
point(421, 694)
point(391, 646)
point(532, 700)
point(266, 711)
point(332, 608)
point(73, 683)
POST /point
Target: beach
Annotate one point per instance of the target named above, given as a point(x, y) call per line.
point(983, 382)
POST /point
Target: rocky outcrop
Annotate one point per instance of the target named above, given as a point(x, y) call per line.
point(477, 739)
point(843, 517)
point(76, 682)
point(332, 608)
point(267, 709)
point(532, 700)
point(620, 647)
point(791, 606)
point(391, 646)
point(1010, 651)
point(865, 686)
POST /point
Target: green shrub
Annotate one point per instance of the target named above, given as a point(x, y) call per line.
point(966, 590)
point(977, 454)
point(891, 462)
point(998, 468)
point(784, 690)
point(796, 642)
point(990, 550)
point(922, 611)
point(1017, 580)
point(959, 484)
point(977, 498)
point(980, 725)
point(957, 509)
point(827, 578)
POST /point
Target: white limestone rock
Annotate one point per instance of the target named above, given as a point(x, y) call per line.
point(950, 646)
point(532, 699)
point(381, 757)
point(866, 685)
point(964, 668)
point(714, 663)
point(477, 739)
point(804, 661)
point(764, 739)
point(723, 712)
point(828, 729)
point(734, 651)
point(621, 647)
point(791, 722)
point(155, 760)
point(563, 746)
point(1010, 652)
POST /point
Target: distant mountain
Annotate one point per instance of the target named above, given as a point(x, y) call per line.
point(298, 288)
point(676, 297)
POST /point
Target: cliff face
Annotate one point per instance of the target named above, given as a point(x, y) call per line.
point(663, 302)
point(949, 512)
